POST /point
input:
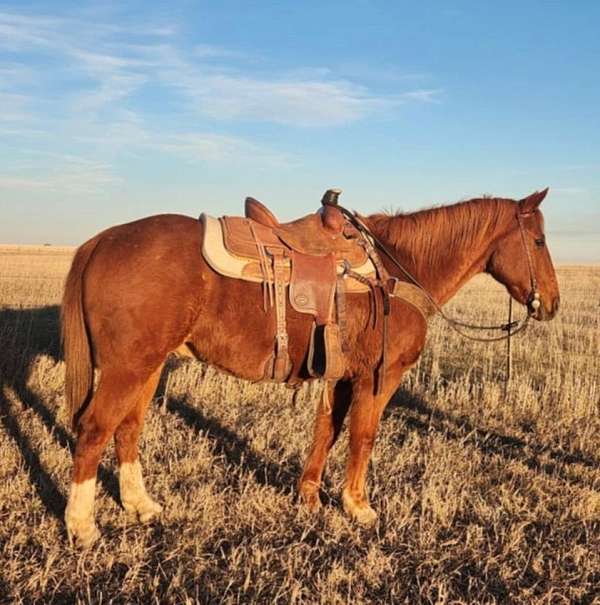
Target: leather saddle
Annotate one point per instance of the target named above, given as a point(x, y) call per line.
point(311, 235)
point(315, 260)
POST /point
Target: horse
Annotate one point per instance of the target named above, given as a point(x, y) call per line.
point(139, 291)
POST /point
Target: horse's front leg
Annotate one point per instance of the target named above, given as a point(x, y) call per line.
point(329, 420)
point(364, 419)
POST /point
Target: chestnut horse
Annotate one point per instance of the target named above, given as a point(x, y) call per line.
point(139, 291)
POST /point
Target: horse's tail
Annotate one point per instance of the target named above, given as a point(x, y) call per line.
point(79, 376)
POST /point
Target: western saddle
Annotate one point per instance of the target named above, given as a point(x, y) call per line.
point(317, 259)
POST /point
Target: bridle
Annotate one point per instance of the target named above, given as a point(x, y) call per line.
point(510, 327)
point(534, 295)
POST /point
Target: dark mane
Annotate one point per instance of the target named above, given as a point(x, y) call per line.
point(460, 226)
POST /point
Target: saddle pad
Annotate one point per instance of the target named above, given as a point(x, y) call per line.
point(247, 267)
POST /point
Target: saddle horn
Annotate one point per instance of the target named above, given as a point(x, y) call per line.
point(331, 215)
point(330, 197)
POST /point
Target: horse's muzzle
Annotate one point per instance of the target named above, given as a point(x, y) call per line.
point(542, 313)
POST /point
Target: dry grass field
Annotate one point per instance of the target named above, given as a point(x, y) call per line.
point(482, 498)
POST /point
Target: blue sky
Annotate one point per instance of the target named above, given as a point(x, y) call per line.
point(113, 111)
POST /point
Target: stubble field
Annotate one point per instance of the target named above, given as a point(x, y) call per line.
point(482, 498)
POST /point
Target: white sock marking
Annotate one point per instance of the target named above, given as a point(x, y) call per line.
point(79, 514)
point(134, 496)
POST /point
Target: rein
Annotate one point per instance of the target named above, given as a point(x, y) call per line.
point(511, 327)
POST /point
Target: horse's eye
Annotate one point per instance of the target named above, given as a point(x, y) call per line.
point(540, 241)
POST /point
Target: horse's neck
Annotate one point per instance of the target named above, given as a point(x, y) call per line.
point(441, 259)
point(456, 274)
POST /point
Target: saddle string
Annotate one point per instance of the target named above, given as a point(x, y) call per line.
point(511, 328)
point(265, 267)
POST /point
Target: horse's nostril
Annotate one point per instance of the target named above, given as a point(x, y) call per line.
point(555, 304)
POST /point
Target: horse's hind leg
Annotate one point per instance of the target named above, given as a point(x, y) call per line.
point(134, 497)
point(118, 392)
point(328, 424)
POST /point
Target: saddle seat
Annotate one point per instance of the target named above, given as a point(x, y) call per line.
point(331, 217)
point(318, 234)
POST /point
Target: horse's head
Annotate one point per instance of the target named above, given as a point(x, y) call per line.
point(521, 261)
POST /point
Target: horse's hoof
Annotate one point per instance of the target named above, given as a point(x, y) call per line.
point(366, 516)
point(361, 512)
point(150, 511)
point(83, 536)
point(309, 497)
point(144, 511)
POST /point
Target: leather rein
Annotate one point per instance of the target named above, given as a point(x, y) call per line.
point(510, 328)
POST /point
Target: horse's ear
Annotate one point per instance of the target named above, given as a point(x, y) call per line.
point(531, 202)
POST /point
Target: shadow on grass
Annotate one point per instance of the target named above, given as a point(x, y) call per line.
point(25, 334)
point(52, 498)
point(419, 416)
point(237, 450)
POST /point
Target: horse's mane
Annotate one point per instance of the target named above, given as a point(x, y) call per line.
point(460, 226)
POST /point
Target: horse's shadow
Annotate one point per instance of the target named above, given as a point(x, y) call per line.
point(25, 334)
point(422, 418)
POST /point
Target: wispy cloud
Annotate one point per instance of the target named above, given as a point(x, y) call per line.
point(296, 103)
point(18, 31)
point(203, 147)
point(14, 131)
point(306, 97)
point(205, 75)
point(14, 107)
point(94, 97)
point(67, 174)
point(128, 133)
point(424, 95)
